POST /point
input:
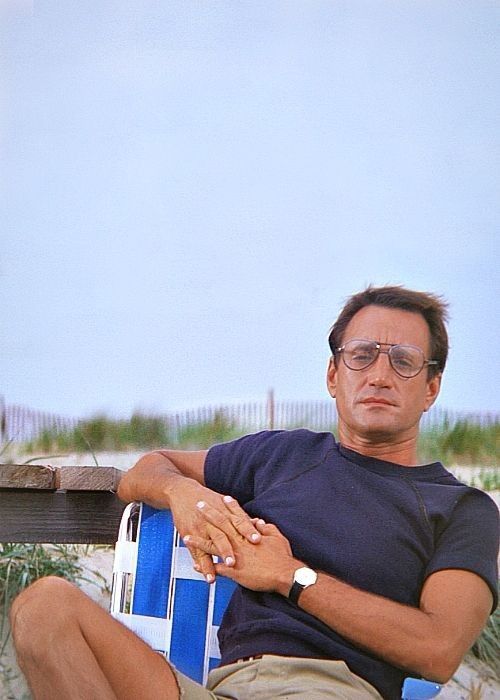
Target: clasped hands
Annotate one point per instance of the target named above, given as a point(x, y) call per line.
point(253, 553)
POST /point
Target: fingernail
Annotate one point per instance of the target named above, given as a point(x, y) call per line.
point(255, 537)
point(186, 538)
point(262, 522)
point(227, 499)
point(210, 578)
point(196, 567)
point(200, 504)
point(229, 561)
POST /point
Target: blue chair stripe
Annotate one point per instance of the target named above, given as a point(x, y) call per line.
point(213, 663)
point(187, 648)
point(154, 561)
point(223, 592)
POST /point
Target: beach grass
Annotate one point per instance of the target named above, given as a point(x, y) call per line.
point(465, 442)
point(487, 646)
point(22, 564)
point(102, 433)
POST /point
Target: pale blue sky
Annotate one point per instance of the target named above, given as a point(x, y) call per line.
point(191, 189)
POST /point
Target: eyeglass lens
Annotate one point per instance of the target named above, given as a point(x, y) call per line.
point(406, 360)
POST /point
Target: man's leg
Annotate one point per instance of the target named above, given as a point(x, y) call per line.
point(69, 648)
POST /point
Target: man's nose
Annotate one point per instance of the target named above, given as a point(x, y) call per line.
point(381, 372)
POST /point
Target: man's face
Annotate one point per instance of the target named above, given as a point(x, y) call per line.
point(375, 403)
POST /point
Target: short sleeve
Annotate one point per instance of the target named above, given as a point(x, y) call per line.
point(230, 466)
point(470, 540)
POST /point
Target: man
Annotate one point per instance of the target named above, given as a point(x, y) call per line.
point(356, 566)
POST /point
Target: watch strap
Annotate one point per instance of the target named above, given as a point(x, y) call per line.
point(295, 592)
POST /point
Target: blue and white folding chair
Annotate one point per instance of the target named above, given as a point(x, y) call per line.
point(159, 596)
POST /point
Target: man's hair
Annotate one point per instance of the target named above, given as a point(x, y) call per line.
point(432, 307)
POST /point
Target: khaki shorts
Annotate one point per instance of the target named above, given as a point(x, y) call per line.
point(273, 677)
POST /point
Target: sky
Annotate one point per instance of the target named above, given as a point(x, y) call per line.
point(191, 189)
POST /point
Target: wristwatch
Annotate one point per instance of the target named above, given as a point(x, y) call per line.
point(302, 578)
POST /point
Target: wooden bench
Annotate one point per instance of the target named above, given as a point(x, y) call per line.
point(65, 505)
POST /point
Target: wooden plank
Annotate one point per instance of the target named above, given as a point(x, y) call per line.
point(65, 517)
point(36, 476)
point(89, 478)
point(29, 476)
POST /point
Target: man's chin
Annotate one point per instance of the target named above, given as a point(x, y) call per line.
point(378, 429)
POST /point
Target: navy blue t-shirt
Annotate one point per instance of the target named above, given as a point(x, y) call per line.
point(378, 526)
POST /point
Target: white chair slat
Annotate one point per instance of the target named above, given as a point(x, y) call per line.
point(214, 651)
point(184, 565)
point(155, 631)
point(125, 560)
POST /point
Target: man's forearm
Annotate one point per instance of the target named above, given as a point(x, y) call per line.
point(398, 633)
point(154, 478)
point(428, 642)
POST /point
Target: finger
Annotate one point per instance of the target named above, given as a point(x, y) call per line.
point(199, 545)
point(208, 546)
point(207, 568)
point(222, 545)
point(269, 529)
point(231, 524)
point(241, 520)
point(218, 518)
point(202, 561)
point(260, 524)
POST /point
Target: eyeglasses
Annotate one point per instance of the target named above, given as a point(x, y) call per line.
point(406, 360)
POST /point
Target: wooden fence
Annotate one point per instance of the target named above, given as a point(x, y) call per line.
point(21, 424)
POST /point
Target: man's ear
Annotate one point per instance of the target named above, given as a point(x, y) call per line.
point(331, 377)
point(431, 394)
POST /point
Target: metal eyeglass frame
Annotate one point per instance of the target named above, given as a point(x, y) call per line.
point(387, 352)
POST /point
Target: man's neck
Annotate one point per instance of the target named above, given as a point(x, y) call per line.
point(403, 452)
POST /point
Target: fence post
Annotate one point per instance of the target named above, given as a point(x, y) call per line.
point(270, 409)
point(3, 420)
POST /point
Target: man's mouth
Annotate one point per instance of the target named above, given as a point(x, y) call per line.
point(377, 400)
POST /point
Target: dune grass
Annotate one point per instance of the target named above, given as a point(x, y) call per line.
point(22, 564)
point(101, 433)
point(488, 645)
point(206, 433)
point(465, 442)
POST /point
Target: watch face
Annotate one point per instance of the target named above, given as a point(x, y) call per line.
point(305, 576)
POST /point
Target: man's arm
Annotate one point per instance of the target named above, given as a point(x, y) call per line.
point(156, 476)
point(175, 479)
point(430, 640)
